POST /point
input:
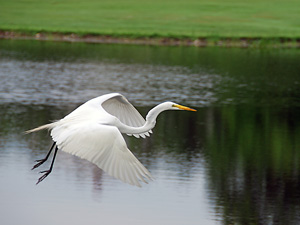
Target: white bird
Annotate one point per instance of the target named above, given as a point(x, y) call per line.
point(93, 132)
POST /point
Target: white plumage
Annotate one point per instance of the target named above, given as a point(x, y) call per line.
point(93, 132)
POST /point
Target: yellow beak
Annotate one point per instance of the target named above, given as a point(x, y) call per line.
point(184, 108)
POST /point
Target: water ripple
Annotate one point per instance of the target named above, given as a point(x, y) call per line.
point(58, 83)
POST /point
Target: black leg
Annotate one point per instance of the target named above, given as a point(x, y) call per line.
point(41, 161)
point(47, 172)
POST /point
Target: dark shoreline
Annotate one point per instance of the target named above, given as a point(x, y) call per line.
point(156, 41)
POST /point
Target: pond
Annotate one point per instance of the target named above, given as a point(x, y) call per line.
point(234, 161)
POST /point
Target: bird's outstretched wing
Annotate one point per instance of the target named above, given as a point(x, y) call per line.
point(104, 146)
point(121, 108)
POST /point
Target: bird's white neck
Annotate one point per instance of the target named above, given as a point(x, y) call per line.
point(150, 122)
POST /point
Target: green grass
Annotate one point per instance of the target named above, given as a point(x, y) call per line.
point(155, 18)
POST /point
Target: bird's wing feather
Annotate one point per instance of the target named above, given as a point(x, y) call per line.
point(104, 146)
point(121, 108)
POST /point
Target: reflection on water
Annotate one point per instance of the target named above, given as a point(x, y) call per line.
point(73, 73)
point(74, 82)
point(235, 161)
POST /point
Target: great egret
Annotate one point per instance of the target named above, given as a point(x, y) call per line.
point(93, 132)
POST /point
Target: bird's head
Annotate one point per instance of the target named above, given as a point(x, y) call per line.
point(153, 113)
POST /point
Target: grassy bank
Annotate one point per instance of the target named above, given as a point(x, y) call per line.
point(199, 42)
point(189, 19)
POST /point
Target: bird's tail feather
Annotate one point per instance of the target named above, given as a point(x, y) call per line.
point(48, 126)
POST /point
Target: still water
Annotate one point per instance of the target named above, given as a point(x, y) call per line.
point(235, 161)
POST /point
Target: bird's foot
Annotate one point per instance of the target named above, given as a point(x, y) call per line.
point(47, 172)
point(40, 162)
